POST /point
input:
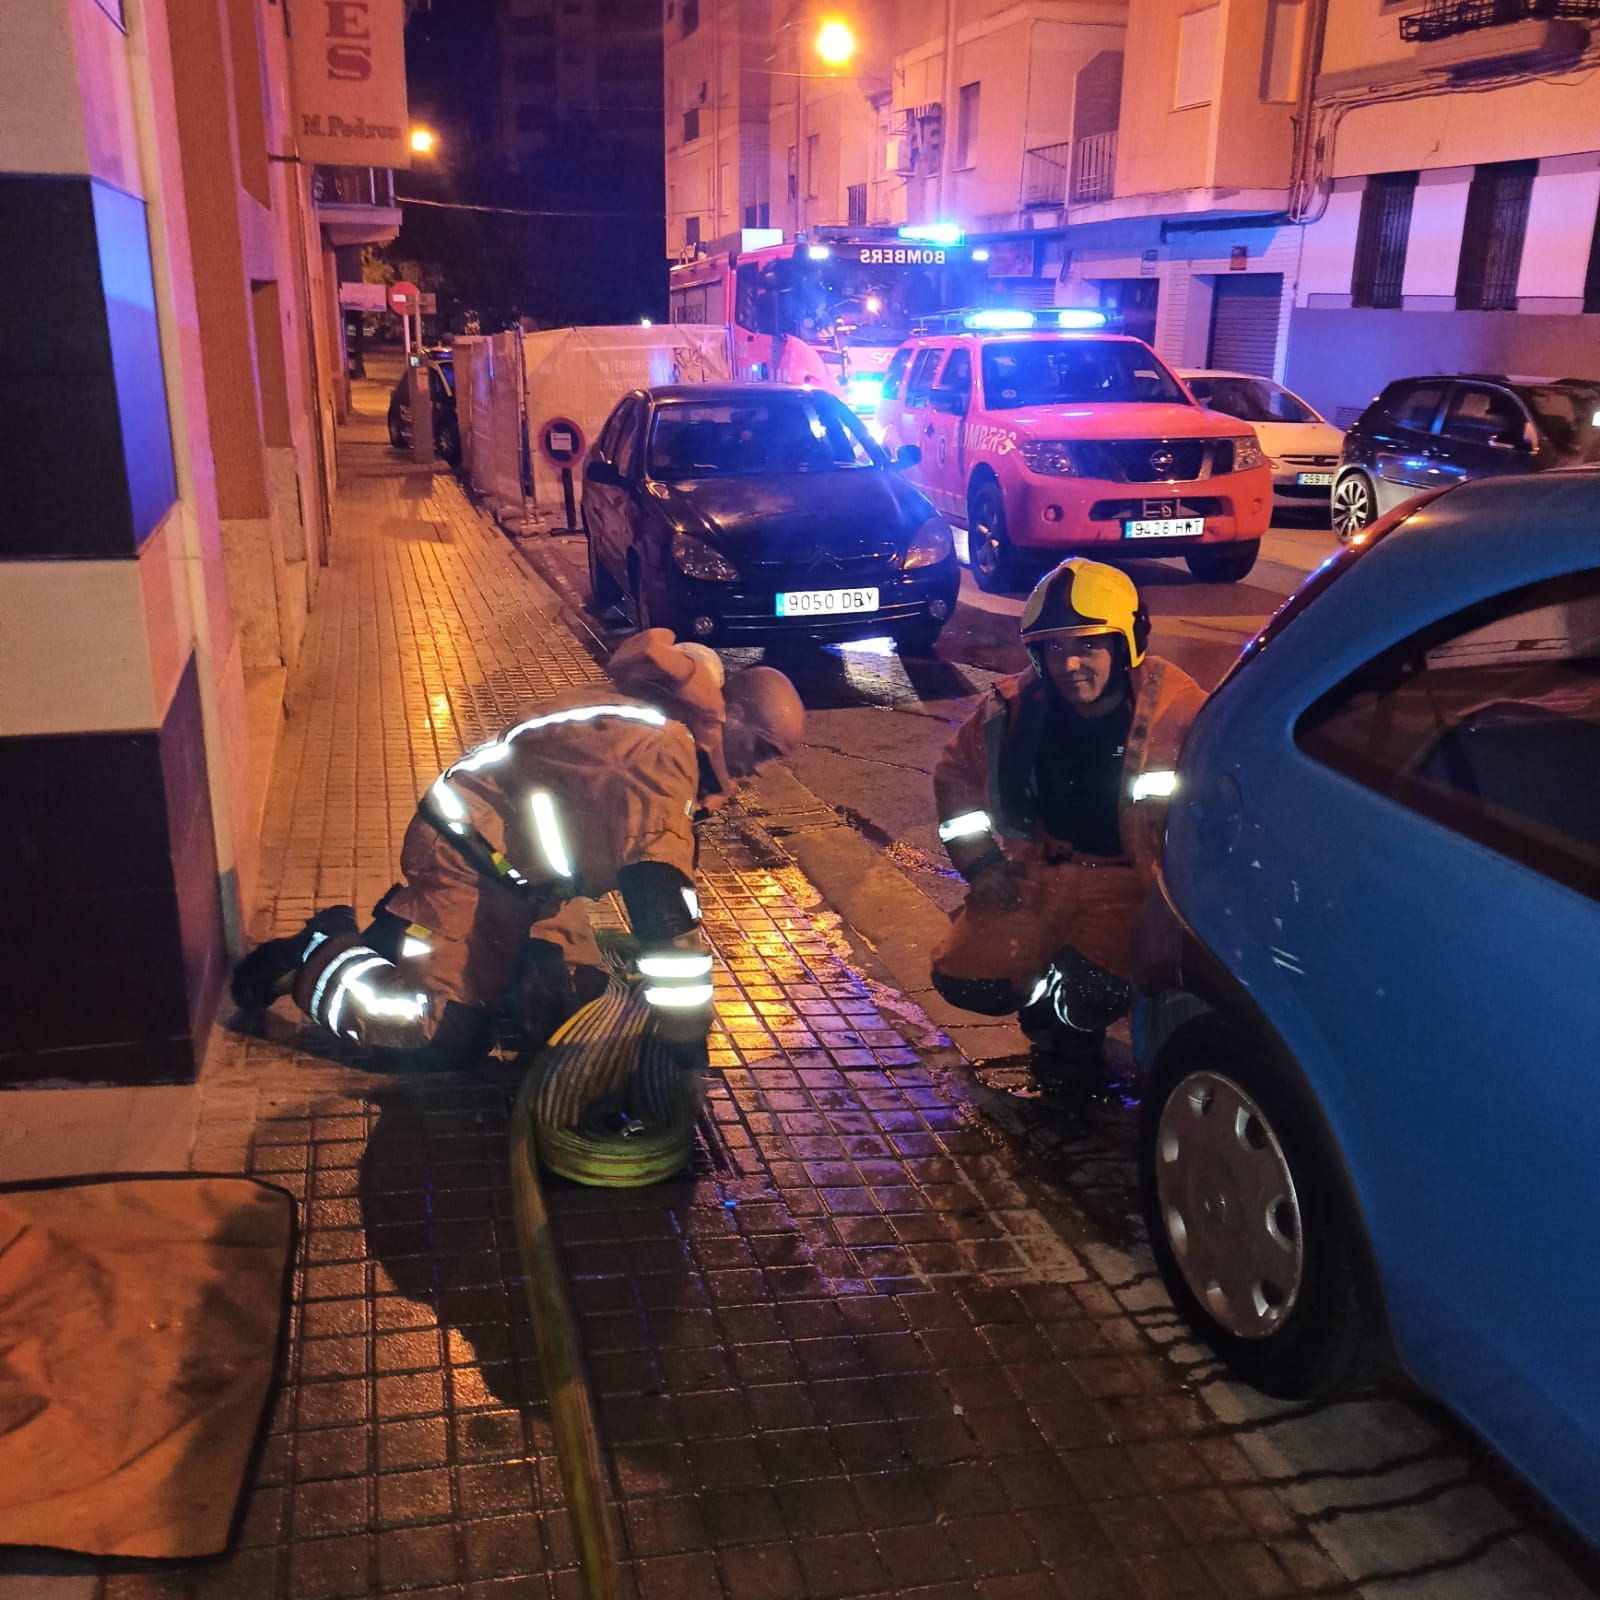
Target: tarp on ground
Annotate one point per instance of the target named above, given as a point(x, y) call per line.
point(579, 374)
point(140, 1322)
point(489, 415)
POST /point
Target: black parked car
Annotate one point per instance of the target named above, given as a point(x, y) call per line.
point(741, 514)
point(1430, 433)
point(442, 386)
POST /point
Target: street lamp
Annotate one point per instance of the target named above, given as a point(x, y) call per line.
point(423, 141)
point(835, 43)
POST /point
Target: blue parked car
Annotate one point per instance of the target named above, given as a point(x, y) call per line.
point(1369, 990)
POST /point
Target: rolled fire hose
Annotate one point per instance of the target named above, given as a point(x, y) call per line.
point(606, 1104)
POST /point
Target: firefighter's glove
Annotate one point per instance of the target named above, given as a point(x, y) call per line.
point(997, 887)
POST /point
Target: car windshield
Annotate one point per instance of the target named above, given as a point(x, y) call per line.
point(778, 433)
point(447, 371)
point(1569, 417)
point(1251, 400)
point(1055, 372)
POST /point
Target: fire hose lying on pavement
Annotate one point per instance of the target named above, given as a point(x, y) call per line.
point(607, 1103)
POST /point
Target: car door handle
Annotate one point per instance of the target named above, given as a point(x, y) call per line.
point(927, 429)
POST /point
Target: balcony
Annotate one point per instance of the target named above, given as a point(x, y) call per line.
point(1094, 167)
point(1448, 19)
point(355, 205)
point(1045, 174)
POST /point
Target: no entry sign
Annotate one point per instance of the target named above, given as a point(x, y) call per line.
point(561, 442)
point(403, 297)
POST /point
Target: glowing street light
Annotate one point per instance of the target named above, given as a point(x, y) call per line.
point(423, 141)
point(835, 43)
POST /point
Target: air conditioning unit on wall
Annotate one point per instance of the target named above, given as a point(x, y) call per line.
point(899, 156)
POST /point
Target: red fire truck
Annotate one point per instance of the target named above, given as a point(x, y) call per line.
point(829, 307)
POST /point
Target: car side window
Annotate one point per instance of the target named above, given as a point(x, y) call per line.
point(896, 373)
point(957, 372)
point(627, 456)
point(921, 380)
point(1478, 415)
point(1489, 724)
point(606, 445)
point(1415, 407)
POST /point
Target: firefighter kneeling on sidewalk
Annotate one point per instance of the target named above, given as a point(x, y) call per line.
point(1051, 801)
point(596, 789)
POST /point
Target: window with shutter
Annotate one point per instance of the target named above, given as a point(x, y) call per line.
point(1380, 266)
point(1492, 236)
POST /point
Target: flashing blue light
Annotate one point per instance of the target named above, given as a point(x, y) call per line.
point(1080, 317)
point(932, 232)
point(999, 320)
point(866, 391)
point(818, 252)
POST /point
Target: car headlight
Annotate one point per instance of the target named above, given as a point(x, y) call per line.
point(1247, 453)
point(697, 559)
point(931, 544)
point(1052, 456)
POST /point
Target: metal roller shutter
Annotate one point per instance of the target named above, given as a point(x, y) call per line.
point(1244, 322)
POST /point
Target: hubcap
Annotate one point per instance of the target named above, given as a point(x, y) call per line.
point(1229, 1205)
point(1352, 508)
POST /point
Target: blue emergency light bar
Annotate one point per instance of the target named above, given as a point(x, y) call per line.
point(946, 233)
point(1072, 319)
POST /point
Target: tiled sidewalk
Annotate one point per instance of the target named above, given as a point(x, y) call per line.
point(853, 1355)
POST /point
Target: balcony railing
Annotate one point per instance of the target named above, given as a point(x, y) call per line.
point(1044, 175)
point(1094, 167)
point(352, 186)
point(1443, 19)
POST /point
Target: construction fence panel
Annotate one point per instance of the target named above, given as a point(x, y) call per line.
point(578, 375)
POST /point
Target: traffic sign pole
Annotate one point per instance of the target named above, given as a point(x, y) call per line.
point(562, 444)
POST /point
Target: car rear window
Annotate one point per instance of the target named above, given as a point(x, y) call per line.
point(1046, 372)
point(777, 433)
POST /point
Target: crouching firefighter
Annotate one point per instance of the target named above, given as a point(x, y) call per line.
point(595, 789)
point(1051, 799)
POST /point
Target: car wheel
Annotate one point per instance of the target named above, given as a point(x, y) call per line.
point(1355, 505)
point(397, 434)
point(989, 548)
point(1248, 1216)
point(604, 590)
point(1224, 563)
point(449, 445)
point(918, 638)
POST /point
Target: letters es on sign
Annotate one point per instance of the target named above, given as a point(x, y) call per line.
point(1239, 258)
point(1147, 265)
point(349, 74)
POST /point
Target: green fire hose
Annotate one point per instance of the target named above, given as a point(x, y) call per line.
point(606, 1104)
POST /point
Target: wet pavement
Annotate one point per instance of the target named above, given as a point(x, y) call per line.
point(895, 1333)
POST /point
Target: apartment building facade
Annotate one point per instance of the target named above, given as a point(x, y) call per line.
point(1143, 155)
point(173, 368)
point(589, 63)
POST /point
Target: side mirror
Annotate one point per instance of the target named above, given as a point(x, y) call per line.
point(603, 473)
point(908, 455)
